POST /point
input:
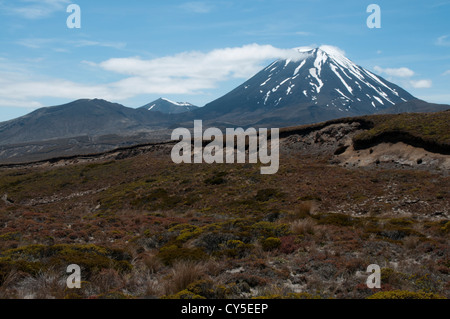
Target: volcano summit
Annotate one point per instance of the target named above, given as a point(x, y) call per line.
point(320, 85)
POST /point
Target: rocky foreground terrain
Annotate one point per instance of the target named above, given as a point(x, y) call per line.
point(349, 193)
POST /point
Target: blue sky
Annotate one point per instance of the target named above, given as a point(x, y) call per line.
point(133, 52)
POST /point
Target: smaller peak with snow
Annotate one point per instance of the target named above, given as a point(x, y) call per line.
point(167, 106)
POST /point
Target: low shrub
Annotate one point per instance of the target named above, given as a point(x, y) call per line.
point(289, 244)
point(268, 229)
point(446, 228)
point(336, 219)
point(217, 179)
point(214, 241)
point(172, 253)
point(264, 195)
point(271, 243)
point(235, 249)
point(302, 295)
point(404, 294)
point(184, 294)
point(92, 259)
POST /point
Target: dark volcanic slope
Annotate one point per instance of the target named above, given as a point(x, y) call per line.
point(81, 117)
point(429, 131)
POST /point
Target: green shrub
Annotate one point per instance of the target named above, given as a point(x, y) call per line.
point(73, 296)
point(91, 258)
point(388, 274)
point(10, 236)
point(336, 219)
point(170, 254)
point(308, 198)
point(404, 294)
point(7, 265)
point(396, 233)
point(157, 199)
point(302, 295)
point(400, 221)
point(188, 232)
point(446, 228)
point(268, 229)
point(235, 249)
point(115, 295)
point(184, 294)
point(271, 243)
point(214, 241)
point(207, 289)
point(217, 179)
point(264, 195)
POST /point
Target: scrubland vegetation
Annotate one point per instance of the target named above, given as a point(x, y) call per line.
point(143, 227)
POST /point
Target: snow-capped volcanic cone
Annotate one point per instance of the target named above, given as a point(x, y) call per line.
point(320, 84)
point(167, 106)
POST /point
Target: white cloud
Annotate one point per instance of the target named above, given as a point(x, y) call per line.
point(436, 98)
point(39, 43)
point(446, 72)
point(303, 33)
point(216, 65)
point(35, 43)
point(89, 43)
point(36, 9)
point(443, 41)
point(197, 7)
point(20, 103)
point(421, 84)
point(406, 74)
point(183, 73)
point(436, 5)
point(398, 72)
point(58, 88)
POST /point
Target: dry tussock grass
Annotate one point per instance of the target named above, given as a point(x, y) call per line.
point(183, 274)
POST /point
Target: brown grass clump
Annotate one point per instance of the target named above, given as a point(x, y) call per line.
point(48, 285)
point(152, 263)
point(303, 227)
point(411, 242)
point(183, 274)
point(108, 280)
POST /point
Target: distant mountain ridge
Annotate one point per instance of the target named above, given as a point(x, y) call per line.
point(321, 85)
point(415, 106)
point(90, 117)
